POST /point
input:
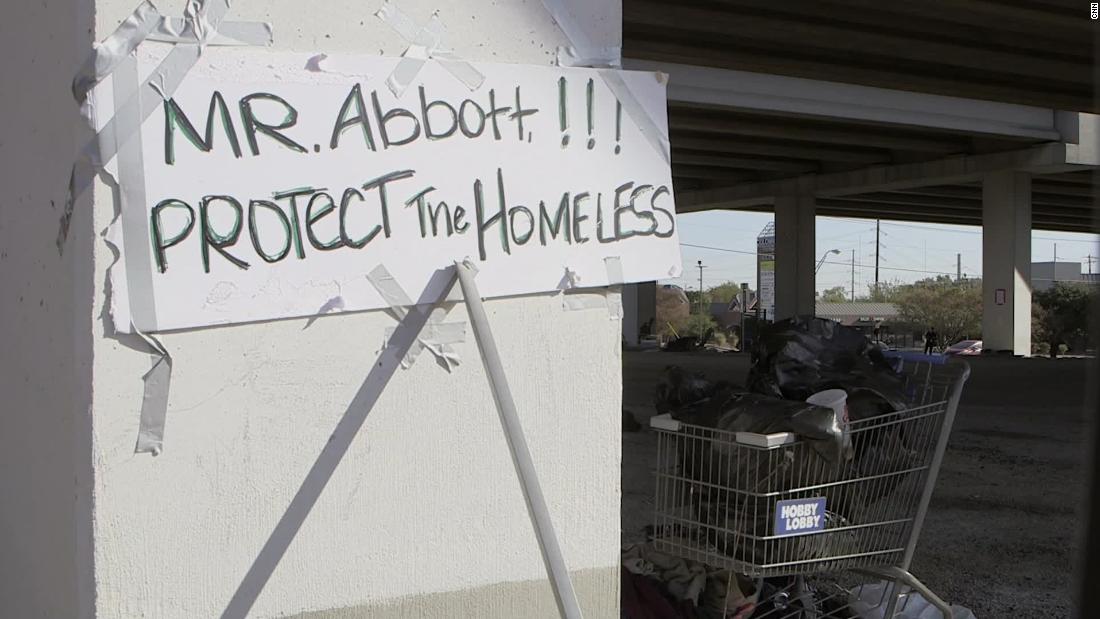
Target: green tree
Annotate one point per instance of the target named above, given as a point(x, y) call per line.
point(836, 294)
point(1062, 316)
point(884, 292)
point(725, 292)
point(953, 308)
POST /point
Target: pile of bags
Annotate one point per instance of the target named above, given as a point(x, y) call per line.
point(791, 361)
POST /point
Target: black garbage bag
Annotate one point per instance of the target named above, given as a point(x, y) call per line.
point(730, 480)
point(800, 356)
point(740, 411)
point(678, 389)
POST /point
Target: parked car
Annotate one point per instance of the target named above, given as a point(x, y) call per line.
point(965, 347)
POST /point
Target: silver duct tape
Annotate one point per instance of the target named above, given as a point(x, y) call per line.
point(398, 20)
point(459, 68)
point(654, 134)
point(205, 16)
point(614, 267)
point(424, 44)
point(131, 186)
point(575, 300)
point(615, 302)
point(581, 43)
point(569, 56)
point(582, 52)
point(392, 292)
point(154, 401)
point(109, 52)
point(436, 336)
point(179, 30)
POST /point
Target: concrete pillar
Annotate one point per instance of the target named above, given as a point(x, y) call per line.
point(794, 255)
point(246, 513)
point(639, 307)
point(1006, 262)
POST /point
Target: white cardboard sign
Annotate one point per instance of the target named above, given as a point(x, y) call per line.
point(270, 188)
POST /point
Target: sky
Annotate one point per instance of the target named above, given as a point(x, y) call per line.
point(909, 250)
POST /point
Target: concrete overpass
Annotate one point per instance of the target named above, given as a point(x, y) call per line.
point(944, 111)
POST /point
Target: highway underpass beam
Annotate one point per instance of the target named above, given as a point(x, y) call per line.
point(794, 254)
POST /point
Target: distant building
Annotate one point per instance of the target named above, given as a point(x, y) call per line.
point(728, 313)
point(859, 313)
point(1045, 274)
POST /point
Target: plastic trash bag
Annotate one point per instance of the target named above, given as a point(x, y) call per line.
point(870, 602)
point(678, 389)
point(728, 474)
point(800, 356)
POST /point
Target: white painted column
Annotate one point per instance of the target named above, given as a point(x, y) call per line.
point(1006, 262)
point(794, 255)
point(248, 512)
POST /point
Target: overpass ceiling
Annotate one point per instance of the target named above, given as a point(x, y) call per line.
point(1063, 202)
point(1033, 52)
point(715, 146)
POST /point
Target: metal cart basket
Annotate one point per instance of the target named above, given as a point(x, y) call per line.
point(768, 505)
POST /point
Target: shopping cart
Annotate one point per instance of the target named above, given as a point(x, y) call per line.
point(771, 508)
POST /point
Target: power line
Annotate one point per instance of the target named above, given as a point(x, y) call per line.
point(847, 264)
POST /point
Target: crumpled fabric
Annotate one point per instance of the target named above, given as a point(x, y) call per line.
point(685, 580)
point(697, 591)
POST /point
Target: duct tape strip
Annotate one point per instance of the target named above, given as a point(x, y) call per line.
point(650, 128)
point(131, 195)
point(178, 30)
point(581, 48)
point(584, 53)
point(204, 17)
point(614, 268)
point(107, 54)
point(574, 300)
point(436, 336)
point(569, 56)
point(424, 44)
point(154, 402)
point(139, 276)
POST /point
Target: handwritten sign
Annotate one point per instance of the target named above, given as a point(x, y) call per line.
point(270, 189)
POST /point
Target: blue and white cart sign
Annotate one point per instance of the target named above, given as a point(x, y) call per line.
point(799, 516)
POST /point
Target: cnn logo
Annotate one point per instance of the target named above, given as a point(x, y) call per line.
point(1094, 9)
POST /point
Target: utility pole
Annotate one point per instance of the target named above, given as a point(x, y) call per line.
point(702, 307)
point(878, 243)
point(1090, 266)
point(853, 276)
point(958, 267)
point(1054, 277)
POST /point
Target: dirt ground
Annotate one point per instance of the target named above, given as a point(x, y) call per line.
point(1003, 525)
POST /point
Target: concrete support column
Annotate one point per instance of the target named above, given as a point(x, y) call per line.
point(639, 310)
point(631, 320)
point(1006, 262)
point(794, 255)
